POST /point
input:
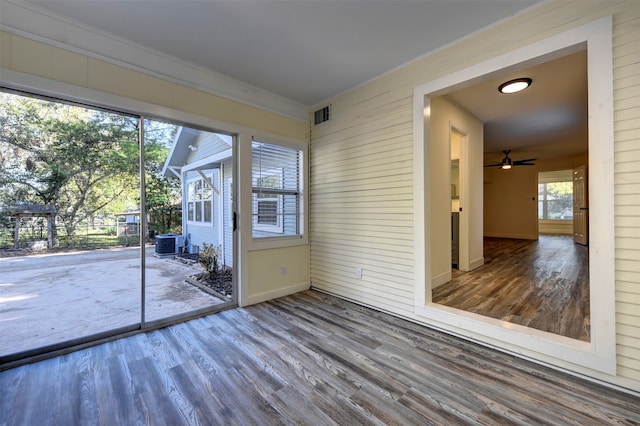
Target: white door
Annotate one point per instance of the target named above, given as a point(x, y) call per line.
point(580, 206)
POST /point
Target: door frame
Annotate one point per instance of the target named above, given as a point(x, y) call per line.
point(38, 86)
point(464, 246)
point(598, 355)
point(583, 214)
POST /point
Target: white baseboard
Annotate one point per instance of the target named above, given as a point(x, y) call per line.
point(443, 278)
point(274, 294)
point(516, 236)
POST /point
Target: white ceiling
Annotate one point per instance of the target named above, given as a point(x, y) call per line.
point(309, 51)
point(305, 50)
point(547, 120)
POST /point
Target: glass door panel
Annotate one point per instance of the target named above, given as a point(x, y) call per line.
point(189, 257)
point(69, 191)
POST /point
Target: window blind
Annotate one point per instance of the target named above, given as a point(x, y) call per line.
point(276, 190)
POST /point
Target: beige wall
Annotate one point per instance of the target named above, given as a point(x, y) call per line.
point(510, 200)
point(510, 203)
point(277, 272)
point(34, 58)
point(362, 204)
point(446, 115)
point(119, 87)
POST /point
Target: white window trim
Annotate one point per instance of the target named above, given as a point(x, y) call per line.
point(546, 201)
point(245, 215)
point(188, 201)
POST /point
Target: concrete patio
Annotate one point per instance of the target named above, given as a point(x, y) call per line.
point(46, 299)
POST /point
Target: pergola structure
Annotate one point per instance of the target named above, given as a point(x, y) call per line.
point(33, 210)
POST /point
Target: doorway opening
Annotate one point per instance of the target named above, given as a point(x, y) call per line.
point(532, 286)
point(529, 193)
point(599, 351)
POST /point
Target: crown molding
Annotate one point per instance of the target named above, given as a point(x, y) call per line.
point(29, 21)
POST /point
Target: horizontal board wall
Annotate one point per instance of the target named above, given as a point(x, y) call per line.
point(626, 85)
point(361, 183)
point(362, 203)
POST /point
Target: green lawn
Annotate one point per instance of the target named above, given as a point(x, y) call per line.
point(85, 238)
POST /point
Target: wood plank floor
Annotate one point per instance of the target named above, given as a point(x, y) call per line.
point(541, 284)
point(309, 359)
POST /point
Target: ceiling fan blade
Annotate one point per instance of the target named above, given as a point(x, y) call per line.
point(527, 162)
point(493, 165)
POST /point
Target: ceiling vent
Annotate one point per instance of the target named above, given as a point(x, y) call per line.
point(321, 115)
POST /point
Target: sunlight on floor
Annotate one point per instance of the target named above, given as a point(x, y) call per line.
point(17, 298)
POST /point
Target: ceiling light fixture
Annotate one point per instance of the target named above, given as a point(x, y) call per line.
point(507, 163)
point(513, 86)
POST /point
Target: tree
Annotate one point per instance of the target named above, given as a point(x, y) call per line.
point(83, 161)
point(74, 158)
point(161, 193)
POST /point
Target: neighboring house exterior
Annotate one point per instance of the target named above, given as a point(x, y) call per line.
point(203, 163)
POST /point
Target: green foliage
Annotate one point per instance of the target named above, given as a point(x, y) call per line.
point(162, 194)
point(209, 259)
point(556, 200)
point(83, 161)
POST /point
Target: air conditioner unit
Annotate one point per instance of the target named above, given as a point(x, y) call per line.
point(169, 243)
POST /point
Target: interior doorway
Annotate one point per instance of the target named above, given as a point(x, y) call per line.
point(599, 352)
point(511, 200)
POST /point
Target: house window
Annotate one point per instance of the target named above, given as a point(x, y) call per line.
point(555, 195)
point(199, 202)
point(276, 190)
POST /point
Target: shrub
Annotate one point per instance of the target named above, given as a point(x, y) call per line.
point(209, 259)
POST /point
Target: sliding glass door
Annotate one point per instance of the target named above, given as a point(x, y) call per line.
point(188, 203)
point(94, 241)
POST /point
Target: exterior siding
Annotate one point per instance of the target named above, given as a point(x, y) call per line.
point(219, 231)
point(200, 232)
point(208, 144)
point(361, 170)
point(227, 220)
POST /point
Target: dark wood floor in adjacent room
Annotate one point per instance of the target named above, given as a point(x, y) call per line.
point(542, 284)
point(309, 359)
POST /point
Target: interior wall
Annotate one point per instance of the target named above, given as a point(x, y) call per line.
point(277, 272)
point(373, 123)
point(510, 203)
point(445, 115)
point(511, 197)
point(39, 66)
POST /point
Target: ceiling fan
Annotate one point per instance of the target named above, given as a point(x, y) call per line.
point(507, 162)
